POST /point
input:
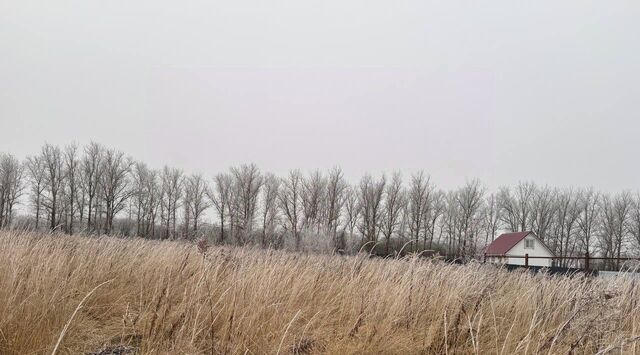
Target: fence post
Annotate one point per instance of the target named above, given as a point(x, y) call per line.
point(586, 261)
point(526, 259)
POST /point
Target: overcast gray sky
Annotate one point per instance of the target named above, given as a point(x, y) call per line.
point(499, 90)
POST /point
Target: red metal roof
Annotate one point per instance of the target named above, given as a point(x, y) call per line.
point(505, 242)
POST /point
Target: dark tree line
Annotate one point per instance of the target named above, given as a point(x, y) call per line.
point(95, 190)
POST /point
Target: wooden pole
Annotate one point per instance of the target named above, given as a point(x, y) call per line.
point(586, 261)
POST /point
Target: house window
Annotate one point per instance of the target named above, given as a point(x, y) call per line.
point(528, 244)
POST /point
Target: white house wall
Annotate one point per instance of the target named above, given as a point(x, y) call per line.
point(538, 250)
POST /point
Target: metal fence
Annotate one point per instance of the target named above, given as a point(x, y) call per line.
point(586, 262)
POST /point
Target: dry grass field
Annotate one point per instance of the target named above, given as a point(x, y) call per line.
point(62, 294)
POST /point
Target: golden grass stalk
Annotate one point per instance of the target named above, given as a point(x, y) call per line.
point(174, 298)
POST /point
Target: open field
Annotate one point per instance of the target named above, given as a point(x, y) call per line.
point(86, 295)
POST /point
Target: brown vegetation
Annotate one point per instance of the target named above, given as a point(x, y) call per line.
point(108, 295)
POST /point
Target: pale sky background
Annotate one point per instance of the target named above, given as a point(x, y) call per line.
point(500, 90)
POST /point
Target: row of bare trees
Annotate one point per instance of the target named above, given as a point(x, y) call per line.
point(11, 187)
point(94, 189)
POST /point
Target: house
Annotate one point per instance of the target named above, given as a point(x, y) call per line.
point(519, 244)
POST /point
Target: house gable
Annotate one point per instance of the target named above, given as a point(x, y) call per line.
point(514, 244)
point(538, 249)
point(505, 242)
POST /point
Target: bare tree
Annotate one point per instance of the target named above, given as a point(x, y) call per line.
point(270, 211)
point(11, 187)
point(221, 198)
point(139, 178)
point(615, 216)
point(434, 212)
point(402, 230)
point(469, 199)
point(36, 174)
point(419, 193)
point(543, 204)
point(516, 208)
point(312, 194)
point(634, 221)
point(90, 166)
point(114, 184)
point(524, 193)
point(623, 203)
point(195, 202)
point(491, 218)
point(147, 198)
point(172, 186)
point(71, 164)
point(394, 203)
point(154, 200)
point(508, 209)
point(370, 196)
point(335, 200)
point(352, 210)
point(247, 183)
point(291, 205)
point(17, 188)
point(606, 237)
point(450, 223)
point(54, 167)
point(588, 219)
point(562, 239)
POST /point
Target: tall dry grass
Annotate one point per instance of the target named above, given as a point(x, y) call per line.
point(164, 297)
